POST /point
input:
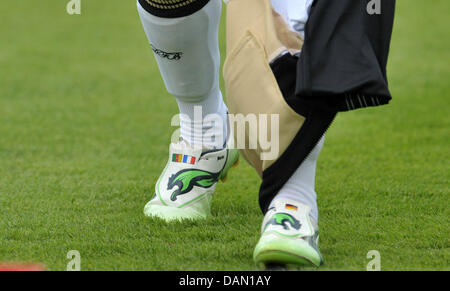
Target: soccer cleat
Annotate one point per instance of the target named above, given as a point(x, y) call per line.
point(289, 238)
point(186, 186)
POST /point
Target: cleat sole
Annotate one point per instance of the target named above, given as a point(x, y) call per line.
point(172, 214)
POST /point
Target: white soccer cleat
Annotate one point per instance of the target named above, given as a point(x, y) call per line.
point(289, 238)
point(187, 184)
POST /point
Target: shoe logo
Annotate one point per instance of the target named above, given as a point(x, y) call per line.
point(284, 220)
point(165, 55)
point(188, 178)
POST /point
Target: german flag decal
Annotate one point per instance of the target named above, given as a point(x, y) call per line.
point(291, 207)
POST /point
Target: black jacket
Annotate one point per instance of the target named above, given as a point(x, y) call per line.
point(345, 53)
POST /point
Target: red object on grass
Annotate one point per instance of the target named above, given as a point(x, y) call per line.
point(21, 267)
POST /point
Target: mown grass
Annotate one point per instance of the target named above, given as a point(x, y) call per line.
point(84, 129)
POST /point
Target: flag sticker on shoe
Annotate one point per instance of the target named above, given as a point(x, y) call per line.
point(178, 158)
point(291, 207)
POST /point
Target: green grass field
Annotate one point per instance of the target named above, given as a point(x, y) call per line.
point(84, 133)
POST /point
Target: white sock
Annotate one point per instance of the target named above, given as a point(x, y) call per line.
point(294, 12)
point(301, 186)
point(187, 52)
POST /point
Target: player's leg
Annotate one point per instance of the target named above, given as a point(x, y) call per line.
point(290, 227)
point(297, 244)
point(298, 88)
point(184, 38)
point(185, 43)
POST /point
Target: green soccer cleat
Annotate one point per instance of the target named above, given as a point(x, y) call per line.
point(186, 186)
point(289, 238)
